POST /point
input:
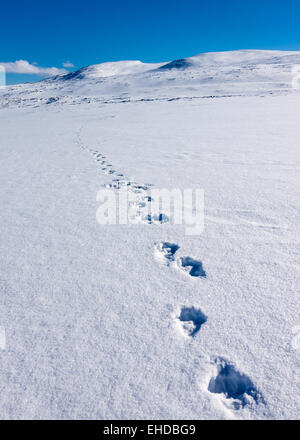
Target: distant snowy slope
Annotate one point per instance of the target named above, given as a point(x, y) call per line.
point(115, 68)
point(235, 73)
point(244, 57)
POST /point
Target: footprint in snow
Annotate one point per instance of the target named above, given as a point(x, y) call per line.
point(156, 219)
point(194, 267)
point(191, 319)
point(166, 251)
point(232, 386)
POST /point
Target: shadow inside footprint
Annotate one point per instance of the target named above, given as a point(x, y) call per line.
point(233, 384)
point(192, 320)
point(196, 267)
point(169, 250)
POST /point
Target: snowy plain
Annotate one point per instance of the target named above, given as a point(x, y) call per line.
point(106, 322)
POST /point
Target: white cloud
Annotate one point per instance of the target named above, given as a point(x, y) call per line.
point(68, 64)
point(23, 66)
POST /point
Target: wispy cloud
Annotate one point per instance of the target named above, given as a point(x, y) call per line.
point(23, 66)
point(68, 64)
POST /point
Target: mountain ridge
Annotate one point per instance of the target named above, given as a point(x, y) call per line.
point(216, 74)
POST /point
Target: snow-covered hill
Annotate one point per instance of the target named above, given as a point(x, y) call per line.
point(141, 320)
point(237, 73)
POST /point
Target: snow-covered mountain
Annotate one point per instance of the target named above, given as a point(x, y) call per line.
point(131, 321)
point(236, 73)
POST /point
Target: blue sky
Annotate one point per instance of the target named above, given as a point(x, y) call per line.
point(53, 32)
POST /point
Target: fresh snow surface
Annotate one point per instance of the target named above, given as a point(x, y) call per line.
point(143, 321)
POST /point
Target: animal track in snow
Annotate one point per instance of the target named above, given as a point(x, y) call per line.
point(166, 251)
point(191, 319)
point(142, 199)
point(233, 386)
point(141, 187)
point(196, 267)
point(169, 249)
point(156, 218)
